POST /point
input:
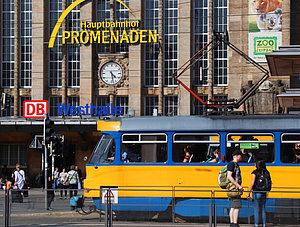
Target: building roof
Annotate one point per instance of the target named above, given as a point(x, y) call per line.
point(219, 123)
point(285, 61)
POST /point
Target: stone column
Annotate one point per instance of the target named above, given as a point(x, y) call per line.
point(135, 65)
point(161, 57)
point(184, 53)
point(86, 60)
point(17, 54)
point(40, 40)
point(64, 79)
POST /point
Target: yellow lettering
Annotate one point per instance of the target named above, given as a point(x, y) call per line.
point(83, 24)
point(142, 36)
point(66, 35)
point(95, 38)
point(124, 37)
point(153, 37)
point(134, 34)
point(104, 37)
point(84, 37)
point(74, 37)
point(114, 38)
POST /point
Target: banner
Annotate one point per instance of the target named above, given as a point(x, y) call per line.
point(265, 28)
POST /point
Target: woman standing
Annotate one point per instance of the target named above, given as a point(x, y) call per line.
point(62, 182)
point(261, 181)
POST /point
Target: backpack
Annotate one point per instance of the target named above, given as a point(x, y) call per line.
point(222, 179)
point(263, 181)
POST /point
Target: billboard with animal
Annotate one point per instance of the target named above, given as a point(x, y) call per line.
point(265, 27)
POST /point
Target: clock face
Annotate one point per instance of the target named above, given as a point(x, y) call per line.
point(111, 73)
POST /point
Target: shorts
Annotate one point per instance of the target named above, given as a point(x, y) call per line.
point(236, 202)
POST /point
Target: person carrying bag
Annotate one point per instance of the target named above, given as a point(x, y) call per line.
point(234, 188)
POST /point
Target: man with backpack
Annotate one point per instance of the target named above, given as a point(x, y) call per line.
point(235, 180)
point(260, 184)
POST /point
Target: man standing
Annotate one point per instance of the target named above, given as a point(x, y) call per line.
point(235, 177)
point(73, 179)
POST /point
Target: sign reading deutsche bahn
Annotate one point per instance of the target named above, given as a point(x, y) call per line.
point(35, 108)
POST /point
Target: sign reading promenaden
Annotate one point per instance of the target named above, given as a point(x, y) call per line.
point(92, 34)
point(103, 31)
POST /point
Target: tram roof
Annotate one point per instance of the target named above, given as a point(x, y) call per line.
point(220, 123)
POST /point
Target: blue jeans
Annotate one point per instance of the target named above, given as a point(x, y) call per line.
point(55, 185)
point(259, 207)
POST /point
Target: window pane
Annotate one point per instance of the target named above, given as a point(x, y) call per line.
point(197, 152)
point(195, 137)
point(290, 148)
point(145, 153)
point(253, 146)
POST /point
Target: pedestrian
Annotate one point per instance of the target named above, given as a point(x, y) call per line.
point(80, 177)
point(260, 183)
point(62, 183)
point(50, 191)
point(235, 178)
point(19, 177)
point(55, 176)
point(73, 179)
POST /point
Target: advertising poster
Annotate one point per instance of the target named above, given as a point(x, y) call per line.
point(265, 28)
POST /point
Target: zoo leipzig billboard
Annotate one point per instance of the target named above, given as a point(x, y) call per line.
point(265, 28)
point(91, 34)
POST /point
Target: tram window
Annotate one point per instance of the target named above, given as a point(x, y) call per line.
point(290, 148)
point(104, 151)
point(149, 148)
point(200, 147)
point(252, 146)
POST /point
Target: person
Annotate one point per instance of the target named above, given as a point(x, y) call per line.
point(217, 159)
point(62, 182)
point(297, 153)
point(259, 197)
point(5, 172)
point(187, 150)
point(55, 176)
point(19, 177)
point(80, 177)
point(50, 191)
point(235, 178)
point(73, 179)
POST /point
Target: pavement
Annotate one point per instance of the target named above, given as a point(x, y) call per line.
point(32, 212)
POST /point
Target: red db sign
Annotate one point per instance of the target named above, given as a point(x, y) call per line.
point(35, 108)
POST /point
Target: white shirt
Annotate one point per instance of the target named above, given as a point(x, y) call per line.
point(62, 177)
point(19, 178)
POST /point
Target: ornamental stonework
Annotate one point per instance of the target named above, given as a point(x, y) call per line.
point(123, 61)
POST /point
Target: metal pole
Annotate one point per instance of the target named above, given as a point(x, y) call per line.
point(110, 209)
point(100, 204)
point(173, 205)
point(106, 212)
point(210, 210)
point(46, 163)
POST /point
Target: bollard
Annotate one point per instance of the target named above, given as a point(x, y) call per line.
point(173, 206)
point(210, 214)
point(6, 209)
point(108, 210)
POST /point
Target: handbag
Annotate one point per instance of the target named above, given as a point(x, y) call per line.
point(233, 191)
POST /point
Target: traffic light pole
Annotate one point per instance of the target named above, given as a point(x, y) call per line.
point(46, 163)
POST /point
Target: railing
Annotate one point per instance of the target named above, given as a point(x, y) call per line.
point(180, 205)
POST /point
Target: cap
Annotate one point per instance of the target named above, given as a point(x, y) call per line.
point(236, 152)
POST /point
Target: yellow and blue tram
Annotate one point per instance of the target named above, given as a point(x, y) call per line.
point(143, 158)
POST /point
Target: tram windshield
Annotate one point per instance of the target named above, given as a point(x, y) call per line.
point(104, 151)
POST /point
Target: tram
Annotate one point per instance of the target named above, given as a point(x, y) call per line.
point(142, 157)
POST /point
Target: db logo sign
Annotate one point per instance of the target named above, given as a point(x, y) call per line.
point(35, 108)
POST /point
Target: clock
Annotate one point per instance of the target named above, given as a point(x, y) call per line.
point(111, 73)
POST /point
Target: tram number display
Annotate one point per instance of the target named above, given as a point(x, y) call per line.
point(249, 145)
point(110, 193)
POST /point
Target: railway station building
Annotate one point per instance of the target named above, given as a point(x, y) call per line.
point(124, 53)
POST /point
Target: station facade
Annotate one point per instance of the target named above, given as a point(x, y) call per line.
point(132, 71)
